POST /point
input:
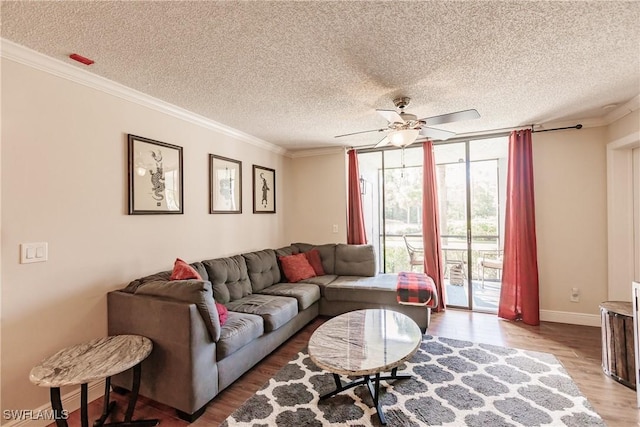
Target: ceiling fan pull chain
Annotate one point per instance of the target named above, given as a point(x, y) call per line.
point(402, 160)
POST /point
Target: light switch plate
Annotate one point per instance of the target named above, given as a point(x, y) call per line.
point(34, 252)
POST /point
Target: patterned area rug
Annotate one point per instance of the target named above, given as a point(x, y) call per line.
point(455, 383)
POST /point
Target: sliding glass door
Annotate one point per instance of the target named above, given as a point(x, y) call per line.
point(471, 188)
point(391, 187)
point(471, 179)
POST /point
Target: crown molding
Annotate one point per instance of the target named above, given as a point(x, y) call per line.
point(316, 152)
point(629, 107)
point(29, 57)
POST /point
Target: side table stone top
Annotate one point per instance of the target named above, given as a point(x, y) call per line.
point(91, 361)
point(364, 342)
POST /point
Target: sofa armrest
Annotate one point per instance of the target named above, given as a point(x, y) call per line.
point(181, 370)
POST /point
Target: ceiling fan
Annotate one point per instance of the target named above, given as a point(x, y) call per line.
point(405, 128)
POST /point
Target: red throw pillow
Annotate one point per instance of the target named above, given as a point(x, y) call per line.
point(223, 313)
point(313, 256)
point(296, 267)
point(183, 271)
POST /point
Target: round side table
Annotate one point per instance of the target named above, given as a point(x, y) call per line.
point(95, 360)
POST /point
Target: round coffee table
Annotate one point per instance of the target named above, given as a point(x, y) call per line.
point(91, 361)
point(365, 343)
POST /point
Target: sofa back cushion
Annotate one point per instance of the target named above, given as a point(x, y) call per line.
point(229, 278)
point(355, 260)
point(196, 292)
point(327, 254)
point(263, 269)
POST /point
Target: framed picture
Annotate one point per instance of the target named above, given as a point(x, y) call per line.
point(155, 177)
point(225, 185)
point(264, 190)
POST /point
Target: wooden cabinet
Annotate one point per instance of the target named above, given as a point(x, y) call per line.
point(618, 354)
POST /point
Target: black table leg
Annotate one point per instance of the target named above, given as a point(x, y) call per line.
point(56, 405)
point(108, 405)
point(340, 387)
point(84, 412)
point(373, 386)
point(133, 398)
point(374, 391)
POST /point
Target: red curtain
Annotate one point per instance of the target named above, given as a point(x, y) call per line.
point(431, 224)
point(355, 219)
point(519, 299)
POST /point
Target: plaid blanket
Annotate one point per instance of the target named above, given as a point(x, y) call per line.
point(416, 289)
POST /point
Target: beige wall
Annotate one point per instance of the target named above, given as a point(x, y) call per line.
point(318, 198)
point(64, 182)
point(571, 226)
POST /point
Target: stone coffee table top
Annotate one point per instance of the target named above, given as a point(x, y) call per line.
point(91, 361)
point(364, 342)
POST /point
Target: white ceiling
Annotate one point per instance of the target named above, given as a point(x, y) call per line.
point(296, 74)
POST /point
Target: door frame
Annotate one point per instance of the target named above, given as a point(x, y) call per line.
point(620, 216)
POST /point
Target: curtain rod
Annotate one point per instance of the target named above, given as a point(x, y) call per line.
point(578, 126)
point(479, 135)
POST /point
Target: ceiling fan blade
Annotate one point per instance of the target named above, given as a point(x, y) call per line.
point(438, 134)
point(391, 116)
point(364, 131)
point(451, 117)
point(384, 141)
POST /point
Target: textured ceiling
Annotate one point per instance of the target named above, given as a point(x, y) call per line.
point(298, 73)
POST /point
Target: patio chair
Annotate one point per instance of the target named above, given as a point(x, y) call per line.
point(490, 260)
point(416, 254)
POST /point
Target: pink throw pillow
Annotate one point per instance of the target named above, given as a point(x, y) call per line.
point(296, 267)
point(313, 256)
point(223, 313)
point(183, 271)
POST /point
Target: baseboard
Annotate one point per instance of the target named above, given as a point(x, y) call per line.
point(40, 416)
point(570, 318)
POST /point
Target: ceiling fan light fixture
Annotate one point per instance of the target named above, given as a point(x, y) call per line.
point(404, 137)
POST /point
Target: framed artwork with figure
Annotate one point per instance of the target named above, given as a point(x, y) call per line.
point(264, 190)
point(225, 185)
point(155, 177)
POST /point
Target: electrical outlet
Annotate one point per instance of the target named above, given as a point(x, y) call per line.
point(575, 295)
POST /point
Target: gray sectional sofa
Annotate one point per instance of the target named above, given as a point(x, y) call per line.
point(194, 358)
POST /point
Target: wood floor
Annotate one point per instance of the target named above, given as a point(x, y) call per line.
point(577, 347)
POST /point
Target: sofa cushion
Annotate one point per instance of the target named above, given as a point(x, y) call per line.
point(320, 281)
point(197, 292)
point(274, 310)
point(183, 271)
point(355, 260)
point(229, 278)
point(296, 267)
point(380, 289)
point(263, 268)
point(327, 253)
point(287, 250)
point(305, 293)
point(239, 330)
